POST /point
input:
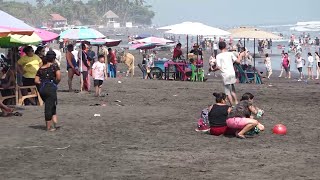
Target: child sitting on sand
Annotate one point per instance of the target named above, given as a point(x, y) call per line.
point(99, 73)
point(240, 117)
point(218, 114)
point(212, 64)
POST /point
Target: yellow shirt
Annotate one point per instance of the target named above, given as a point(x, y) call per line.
point(30, 65)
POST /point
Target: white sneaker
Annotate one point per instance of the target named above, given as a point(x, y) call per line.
point(299, 79)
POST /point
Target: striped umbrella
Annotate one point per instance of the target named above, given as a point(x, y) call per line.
point(81, 34)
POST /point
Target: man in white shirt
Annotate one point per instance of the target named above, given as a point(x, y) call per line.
point(225, 62)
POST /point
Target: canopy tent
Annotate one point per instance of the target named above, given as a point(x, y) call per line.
point(155, 40)
point(46, 36)
point(81, 34)
point(253, 33)
point(106, 42)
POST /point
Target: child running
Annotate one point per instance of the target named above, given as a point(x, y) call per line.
point(218, 114)
point(240, 118)
point(99, 73)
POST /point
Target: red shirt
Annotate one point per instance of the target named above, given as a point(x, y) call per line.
point(112, 58)
point(177, 53)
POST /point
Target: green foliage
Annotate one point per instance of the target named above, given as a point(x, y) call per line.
point(88, 13)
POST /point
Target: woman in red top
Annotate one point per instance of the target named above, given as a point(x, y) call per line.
point(286, 65)
point(177, 53)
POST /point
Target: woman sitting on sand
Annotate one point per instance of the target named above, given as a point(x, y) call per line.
point(240, 120)
point(218, 114)
point(48, 77)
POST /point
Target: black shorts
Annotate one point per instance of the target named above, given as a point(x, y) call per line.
point(319, 64)
point(97, 82)
point(300, 69)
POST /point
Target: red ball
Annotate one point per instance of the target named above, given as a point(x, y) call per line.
point(279, 129)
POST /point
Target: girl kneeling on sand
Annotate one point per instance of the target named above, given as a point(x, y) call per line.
point(218, 114)
point(48, 77)
point(239, 118)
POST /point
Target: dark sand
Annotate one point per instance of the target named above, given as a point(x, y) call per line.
point(150, 134)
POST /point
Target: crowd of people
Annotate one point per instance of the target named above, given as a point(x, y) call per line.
point(41, 68)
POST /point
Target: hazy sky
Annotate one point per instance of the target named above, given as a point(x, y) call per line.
point(235, 12)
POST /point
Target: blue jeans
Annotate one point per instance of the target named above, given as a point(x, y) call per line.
point(113, 70)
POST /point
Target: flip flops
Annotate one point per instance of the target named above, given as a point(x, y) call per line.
point(17, 114)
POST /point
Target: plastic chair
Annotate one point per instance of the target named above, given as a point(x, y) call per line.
point(200, 74)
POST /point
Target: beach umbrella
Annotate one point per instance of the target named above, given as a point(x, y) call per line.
point(142, 36)
point(174, 26)
point(194, 29)
point(143, 46)
point(4, 32)
point(10, 21)
point(154, 40)
point(19, 40)
point(81, 33)
point(46, 36)
point(106, 42)
point(253, 33)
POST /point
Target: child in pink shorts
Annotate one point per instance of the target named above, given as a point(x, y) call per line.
point(239, 118)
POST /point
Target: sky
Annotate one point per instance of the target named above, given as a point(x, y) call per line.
point(233, 12)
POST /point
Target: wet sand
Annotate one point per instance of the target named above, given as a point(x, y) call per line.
point(150, 134)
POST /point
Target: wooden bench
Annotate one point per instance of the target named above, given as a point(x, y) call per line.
point(32, 93)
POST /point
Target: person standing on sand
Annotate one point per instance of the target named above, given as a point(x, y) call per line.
point(300, 63)
point(72, 66)
point(318, 64)
point(99, 74)
point(286, 65)
point(48, 77)
point(225, 62)
point(112, 60)
point(267, 62)
point(310, 66)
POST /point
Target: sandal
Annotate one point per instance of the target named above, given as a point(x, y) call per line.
point(17, 114)
point(240, 136)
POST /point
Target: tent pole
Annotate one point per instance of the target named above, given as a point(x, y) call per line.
point(254, 60)
point(187, 47)
point(199, 46)
point(81, 74)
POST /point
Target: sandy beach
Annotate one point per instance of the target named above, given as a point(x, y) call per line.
point(146, 131)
